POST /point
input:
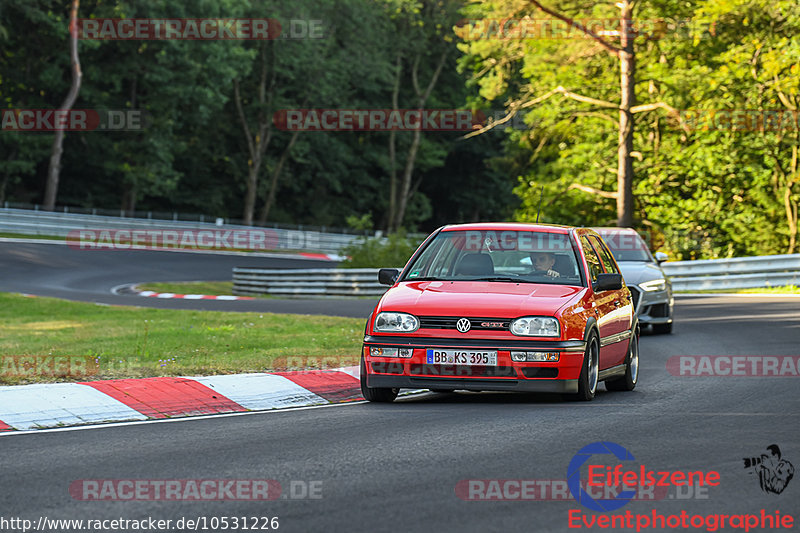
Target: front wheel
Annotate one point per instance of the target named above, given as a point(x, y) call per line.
point(631, 377)
point(375, 394)
point(587, 383)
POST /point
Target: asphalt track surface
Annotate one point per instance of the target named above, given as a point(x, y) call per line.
point(396, 467)
point(59, 271)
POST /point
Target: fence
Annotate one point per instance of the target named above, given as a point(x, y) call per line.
point(741, 273)
point(737, 273)
point(307, 282)
point(59, 224)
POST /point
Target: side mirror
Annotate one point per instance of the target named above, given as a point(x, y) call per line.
point(661, 257)
point(387, 276)
point(608, 282)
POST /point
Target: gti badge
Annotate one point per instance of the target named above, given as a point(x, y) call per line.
point(463, 325)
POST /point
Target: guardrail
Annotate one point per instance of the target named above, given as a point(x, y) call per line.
point(58, 224)
point(327, 282)
point(739, 273)
point(736, 273)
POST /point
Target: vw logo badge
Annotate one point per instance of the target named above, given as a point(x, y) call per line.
point(463, 325)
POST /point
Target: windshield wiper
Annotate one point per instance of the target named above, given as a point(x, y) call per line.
point(498, 278)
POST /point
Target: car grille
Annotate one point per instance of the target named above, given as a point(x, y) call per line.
point(635, 296)
point(461, 370)
point(449, 322)
point(534, 372)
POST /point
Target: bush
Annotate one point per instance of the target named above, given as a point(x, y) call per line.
point(380, 252)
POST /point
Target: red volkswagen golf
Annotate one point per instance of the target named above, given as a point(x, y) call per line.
point(503, 307)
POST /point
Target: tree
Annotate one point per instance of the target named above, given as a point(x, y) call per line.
point(54, 170)
point(485, 62)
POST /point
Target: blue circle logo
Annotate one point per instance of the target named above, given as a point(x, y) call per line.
point(574, 476)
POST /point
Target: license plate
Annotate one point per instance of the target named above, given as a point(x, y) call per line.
point(461, 357)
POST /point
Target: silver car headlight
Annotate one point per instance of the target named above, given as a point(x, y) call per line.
point(396, 323)
point(535, 326)
point(654, 285)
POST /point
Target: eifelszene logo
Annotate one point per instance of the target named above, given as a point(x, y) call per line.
point(774, 473)
point(619, 477)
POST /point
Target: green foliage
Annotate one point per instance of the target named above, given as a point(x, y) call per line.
point(393, 251)
point(702, 193)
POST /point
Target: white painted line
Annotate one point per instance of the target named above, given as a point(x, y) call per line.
point(32, 406)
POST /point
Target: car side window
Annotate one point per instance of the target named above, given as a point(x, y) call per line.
point(591, 258)
point(605, 255)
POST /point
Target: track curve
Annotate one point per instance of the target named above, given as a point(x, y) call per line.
point(59, 271)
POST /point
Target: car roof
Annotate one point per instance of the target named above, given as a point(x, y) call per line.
point(614, 229)
point(508, 226)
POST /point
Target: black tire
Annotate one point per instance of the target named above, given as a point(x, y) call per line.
point(631, 377)
point(662, 329)
point(591, 358)
point(375, 394)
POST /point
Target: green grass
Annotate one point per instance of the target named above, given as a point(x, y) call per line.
point(134, 342)
point(25, 236)
point(787, 289)
point(210, 288)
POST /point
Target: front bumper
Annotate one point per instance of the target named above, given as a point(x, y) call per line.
point(655, 307)
point(415, 372)
point(474, 384)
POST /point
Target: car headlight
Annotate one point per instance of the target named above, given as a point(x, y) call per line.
point(535, 326)
point(396, 322)
point(654, 285)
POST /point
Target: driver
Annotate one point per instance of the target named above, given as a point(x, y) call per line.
point(543, 263)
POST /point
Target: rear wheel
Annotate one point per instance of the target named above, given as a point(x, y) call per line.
point(662, 328)
point(375, 394)
point(628, 381)
point(587, 383)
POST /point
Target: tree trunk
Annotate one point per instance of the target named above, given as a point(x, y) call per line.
point(256, 145)
point(393, 151)
point(54, 170)
point(273, 186)
point(129, 197)
point(411, 158)
point(405, 183)
point(789, 205)
point(627, 66)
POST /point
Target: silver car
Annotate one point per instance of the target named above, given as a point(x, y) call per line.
point(649, 286)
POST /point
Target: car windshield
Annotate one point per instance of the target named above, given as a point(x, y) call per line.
point(626, 246)
point(502, 256)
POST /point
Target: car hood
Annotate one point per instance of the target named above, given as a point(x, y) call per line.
point(636, 272)
point(485, 299)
